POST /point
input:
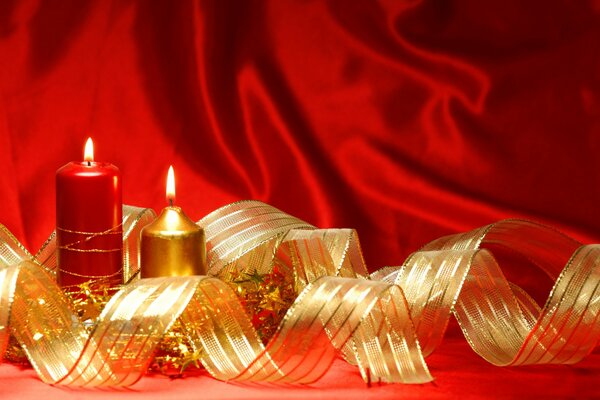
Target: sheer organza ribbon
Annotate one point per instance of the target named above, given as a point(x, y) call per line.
point(385, 323)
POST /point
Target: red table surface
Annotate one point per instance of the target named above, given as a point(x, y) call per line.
point(406, 120)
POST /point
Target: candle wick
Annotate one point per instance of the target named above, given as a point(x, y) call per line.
point(89, 163)
point(170, 202)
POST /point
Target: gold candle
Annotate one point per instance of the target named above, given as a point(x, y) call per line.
point(172, 245)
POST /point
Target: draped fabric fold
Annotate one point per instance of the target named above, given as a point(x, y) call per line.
point(385, 323)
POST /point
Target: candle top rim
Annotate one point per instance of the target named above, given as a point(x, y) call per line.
point(171, 233)
point(92, 163)
point(83, 166)
point(172, 221)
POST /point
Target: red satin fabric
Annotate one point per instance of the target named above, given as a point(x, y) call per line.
point(406, 120)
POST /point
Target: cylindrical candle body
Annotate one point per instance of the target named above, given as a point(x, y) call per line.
point(89, 213)
point(172, 245)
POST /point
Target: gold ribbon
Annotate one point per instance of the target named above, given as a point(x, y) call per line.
point(385, 323)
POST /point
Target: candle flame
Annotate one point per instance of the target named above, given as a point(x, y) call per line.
point(171, 185)
point(88, 154)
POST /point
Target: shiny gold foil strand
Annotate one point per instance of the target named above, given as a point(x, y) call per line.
point(431, 283)
point(511, 306)
point(500, 321)
point(12, 252)
point(318, 358)
point(85, 237)
point(325, 252)
point(7, 282)
point(432, 289)
point(566, 331)
point(86, 359)
point(434, 281)
point(332, 311)
point(51, 336)
point(134, 220)
point(306, 253)
point(130, 327)
point(544, 246)
point(118, 350)
point(46, 256)
point(472, 286)
point(589, 315)
point(569, 327)
point(329, 312)
point(310, 253)
point(243, 237)
point(341, 245)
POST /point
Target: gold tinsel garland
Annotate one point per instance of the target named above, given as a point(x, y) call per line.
point(265, 298)
point(284, 298)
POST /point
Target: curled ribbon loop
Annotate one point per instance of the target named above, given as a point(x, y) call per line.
point(385, 323)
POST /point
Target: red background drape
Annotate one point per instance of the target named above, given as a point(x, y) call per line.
point(406, 120)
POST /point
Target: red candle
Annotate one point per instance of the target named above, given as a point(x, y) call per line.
point(89, 232)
